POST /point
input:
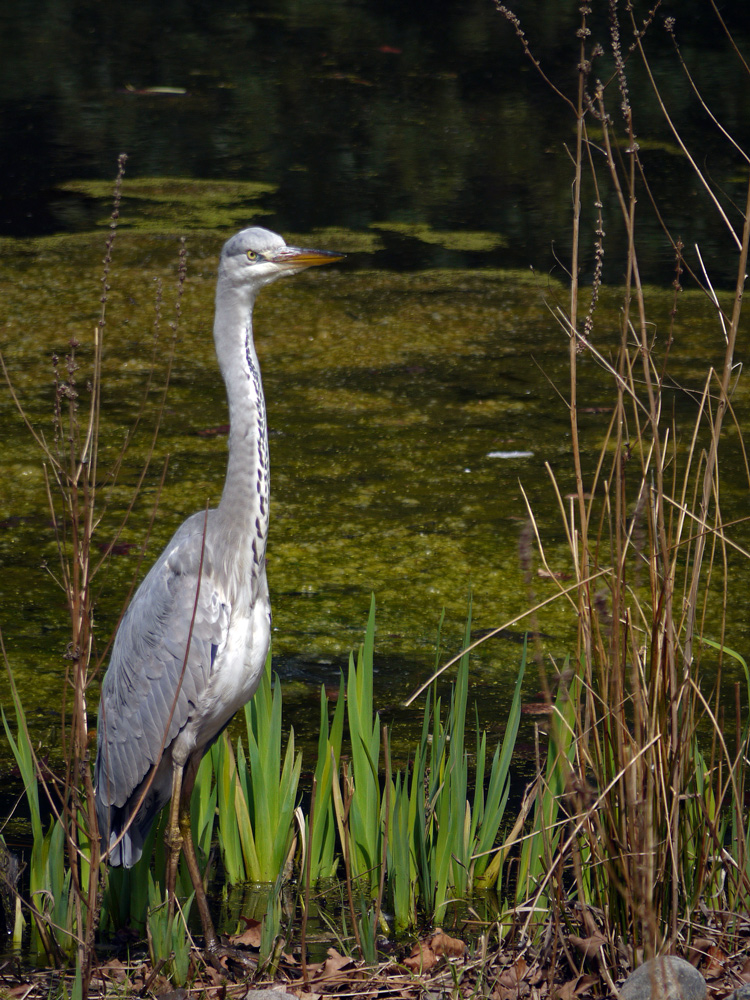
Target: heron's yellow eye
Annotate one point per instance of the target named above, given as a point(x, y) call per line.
point(252, 255)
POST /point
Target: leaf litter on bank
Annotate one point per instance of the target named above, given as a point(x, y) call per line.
point(499, 973)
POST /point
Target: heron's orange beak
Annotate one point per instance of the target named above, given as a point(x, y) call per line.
point(297, 257)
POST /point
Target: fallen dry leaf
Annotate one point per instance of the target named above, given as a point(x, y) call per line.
point(575, 987)
point(113, 969)
point(422, 957)
point(699, 948)
point(335, 962)
point(511, 992)
point(160, 985)
point(514, 974)
point(442, 944)
point(567, 991)
point(250, 937)
point(715, 965)
point(214, 976)
point(535, 975)
point(588, 946)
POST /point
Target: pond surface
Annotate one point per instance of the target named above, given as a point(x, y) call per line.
point(361, 112)
point(387, 395)
point(406, 412)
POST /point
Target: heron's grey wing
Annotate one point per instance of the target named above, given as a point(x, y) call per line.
point(152, 686)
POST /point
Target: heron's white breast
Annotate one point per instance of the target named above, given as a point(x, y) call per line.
point(235, 677)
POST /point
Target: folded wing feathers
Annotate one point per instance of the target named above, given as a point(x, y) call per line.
point(146, 666)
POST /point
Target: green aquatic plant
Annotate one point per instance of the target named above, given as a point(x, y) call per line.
point(257, 791)
point(168, 934)
point(361, 781)
point(461, 829)
point(320, 854)
point(177, 204)
point(268, 784)
point(461, 239)
point(428, 835)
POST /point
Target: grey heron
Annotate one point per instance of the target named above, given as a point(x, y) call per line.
point(191, 647)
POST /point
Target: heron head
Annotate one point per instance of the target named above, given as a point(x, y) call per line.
point(257, 257)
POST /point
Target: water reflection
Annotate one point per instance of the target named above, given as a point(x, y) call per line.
point(355, 114)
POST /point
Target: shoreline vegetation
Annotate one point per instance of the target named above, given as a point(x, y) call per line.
point(631, 841)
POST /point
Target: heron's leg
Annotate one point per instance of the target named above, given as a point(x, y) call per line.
point(213, 949)
point(191, 859)
point(173, 837)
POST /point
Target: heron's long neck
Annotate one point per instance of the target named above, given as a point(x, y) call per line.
point(244, 502)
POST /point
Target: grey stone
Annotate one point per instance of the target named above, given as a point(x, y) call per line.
point(269, 995)
point(664, 978)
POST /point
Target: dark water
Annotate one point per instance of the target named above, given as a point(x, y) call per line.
point(361, 113)
point(418, 138)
